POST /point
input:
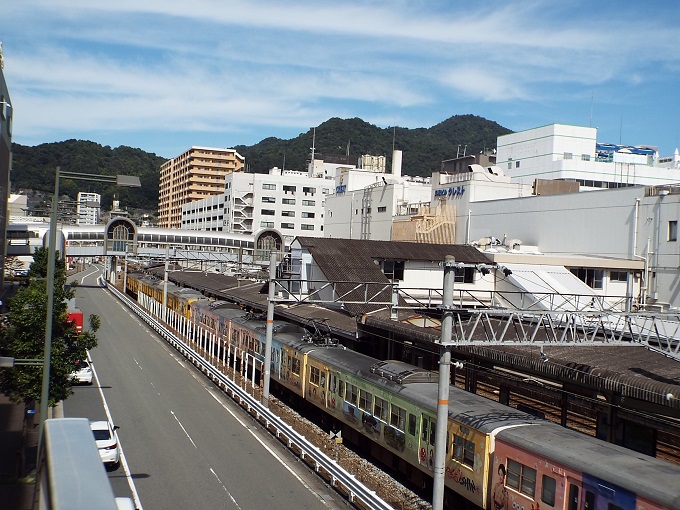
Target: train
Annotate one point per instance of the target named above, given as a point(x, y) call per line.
point(497, 457)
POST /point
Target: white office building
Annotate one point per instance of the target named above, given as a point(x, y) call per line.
point(288, 201)
point(366, 201)
point(87, 208)
point(572, 153)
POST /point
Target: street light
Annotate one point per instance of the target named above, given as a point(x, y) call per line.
point(120, 180)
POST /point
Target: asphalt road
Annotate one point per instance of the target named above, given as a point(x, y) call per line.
point(185, 445)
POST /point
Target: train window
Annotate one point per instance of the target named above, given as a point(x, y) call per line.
point(398, 417)
point(548, 486)
point(365, 400)
point(433, 428)
point(380, 408)
point(521, 478)
point(589, 503)
point(341, 389)
point(412, 424)
point(352, 393)
point(423, 429)
point(464, 451)
point(295, 367)
point(314, 376)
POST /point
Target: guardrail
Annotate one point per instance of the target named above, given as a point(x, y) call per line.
point(339, 478)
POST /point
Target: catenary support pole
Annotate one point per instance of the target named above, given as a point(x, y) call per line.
point(444, 382)
point(266, 369)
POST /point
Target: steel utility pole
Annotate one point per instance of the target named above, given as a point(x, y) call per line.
point(444, 381)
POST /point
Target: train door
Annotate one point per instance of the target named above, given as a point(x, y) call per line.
point(573, 496)
point(428, 425)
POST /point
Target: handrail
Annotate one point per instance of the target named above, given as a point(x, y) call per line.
point(295, 440)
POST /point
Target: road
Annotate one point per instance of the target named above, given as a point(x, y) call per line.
point(185, 444)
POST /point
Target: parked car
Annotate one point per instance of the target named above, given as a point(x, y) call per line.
point(82, 373)
point(107, 442)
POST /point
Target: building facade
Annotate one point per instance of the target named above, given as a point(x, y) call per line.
point(6, 112)
point(87, 208)
point(573, 153)
point(288, 201)
point(196, 174)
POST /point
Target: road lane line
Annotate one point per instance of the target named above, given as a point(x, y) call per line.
point(225, 489)
point(123, 460)
point(185, 430)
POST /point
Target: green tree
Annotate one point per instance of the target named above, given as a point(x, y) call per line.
point(23, 336)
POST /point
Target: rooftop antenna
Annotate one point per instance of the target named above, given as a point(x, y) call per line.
point(313, 144)
point(348, 142)
point(458, 152)
point(284, 161)
point(394, 136)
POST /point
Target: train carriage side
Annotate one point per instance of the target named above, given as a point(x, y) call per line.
point(550, 467)
point(185, 297)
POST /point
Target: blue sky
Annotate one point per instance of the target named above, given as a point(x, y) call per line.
point(165, 75)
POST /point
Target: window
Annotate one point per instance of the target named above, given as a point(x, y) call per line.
point(314, 375)
point(307, 214)
point(568, 155)
point(288, 214)
point(397, 417)
point(267, 224)
point(521, 478)
point(305, 226)
point(591, 277)
point(288, 201)
point(268, 186)
point(394, 269)
point(585, 157)
point(464, 451)
point(294, 365)
point(673, 230)
point(412, 424)
point(516, 164)
point(548, 486)
point(308, 202)
point(618, 276)
point(289, 189)
point(464, 275)
point(267, 212)
point(380, 408)
point(382, 209)
point(308, 190)
point(352, 393)
point(269, 200)
point(287, 226)
point(365, 400)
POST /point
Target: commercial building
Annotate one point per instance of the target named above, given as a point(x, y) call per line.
point(288, 201)
point(366, 201)
point(194, 175)
point(572, 153)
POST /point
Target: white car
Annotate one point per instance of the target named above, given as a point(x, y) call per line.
point(107, 442)
point(82, 373)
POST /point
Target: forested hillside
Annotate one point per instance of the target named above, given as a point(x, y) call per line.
point(423, 150)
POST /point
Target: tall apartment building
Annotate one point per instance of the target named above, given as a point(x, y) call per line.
point(288, 201)
point(194, 175)
point(87, 209)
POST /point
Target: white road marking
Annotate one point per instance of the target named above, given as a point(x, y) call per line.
point(185, 430)
point(225, 488)
point(123, 460)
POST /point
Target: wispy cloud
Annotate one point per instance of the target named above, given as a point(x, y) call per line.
point(246, 70)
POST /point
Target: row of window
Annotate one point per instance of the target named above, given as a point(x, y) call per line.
point(288, 214)
point(288, 226)
point(522, 478)
point(287, 201)
point(287, 188)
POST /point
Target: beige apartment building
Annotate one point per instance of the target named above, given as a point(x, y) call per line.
point(194, 175)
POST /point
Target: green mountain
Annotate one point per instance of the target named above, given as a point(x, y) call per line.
point(339, 140)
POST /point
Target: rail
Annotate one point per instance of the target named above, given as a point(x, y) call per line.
point(339, 477)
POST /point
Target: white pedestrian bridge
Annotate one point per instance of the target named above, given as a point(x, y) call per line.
point(122, 238)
